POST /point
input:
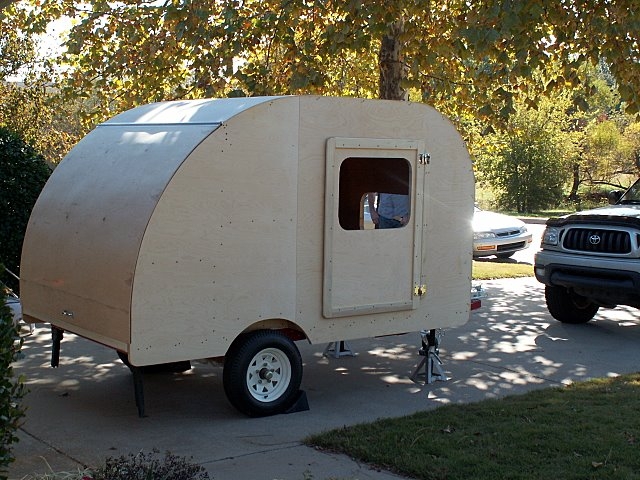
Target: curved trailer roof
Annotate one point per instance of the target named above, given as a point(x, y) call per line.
point(105, 211)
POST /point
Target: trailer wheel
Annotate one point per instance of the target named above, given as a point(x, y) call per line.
point(262, 373)
point(568, 307)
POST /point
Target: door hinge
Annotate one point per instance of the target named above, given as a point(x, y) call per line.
point(420, 290)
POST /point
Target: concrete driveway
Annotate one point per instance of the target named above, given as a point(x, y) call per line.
point(84, 411)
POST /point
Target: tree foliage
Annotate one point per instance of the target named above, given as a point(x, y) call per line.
point(44, 119)
point(23, 173)
point(478, 62)
point(520, 37)
point(12, 388)
point(611, 152)
point(16, 47)
point(526, 163)
point(607, 144)
point(471, 56)
point(32, 108)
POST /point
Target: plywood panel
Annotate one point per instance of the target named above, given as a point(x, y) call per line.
point(85, 230)
point(219, 251)
point(197, 244)
point(448, 208)
point(354, 260)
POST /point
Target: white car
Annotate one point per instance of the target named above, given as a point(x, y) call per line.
point(12, 300)
point(16, 309)
point(498, 234)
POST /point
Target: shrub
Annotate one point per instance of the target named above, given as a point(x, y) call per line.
point(149, 467)
point(23, 173)
point(12, 389)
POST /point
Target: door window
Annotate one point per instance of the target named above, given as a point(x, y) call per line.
point(373, 186)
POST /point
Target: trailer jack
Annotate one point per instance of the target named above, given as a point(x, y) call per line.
point(337, 349)
point(429, 369)
point(56, 338)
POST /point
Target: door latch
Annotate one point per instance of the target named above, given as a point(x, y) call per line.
point(424, 158)
point(420, 290)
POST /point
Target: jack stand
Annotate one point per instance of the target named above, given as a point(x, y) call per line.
point(338, 349)
point(56, 337)
point(138, 387)
point(430, 367)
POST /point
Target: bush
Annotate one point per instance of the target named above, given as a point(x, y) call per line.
point(11, 389)
point(149, 467)
point(526, 163)
point(23, 173)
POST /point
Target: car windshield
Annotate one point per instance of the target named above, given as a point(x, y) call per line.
point(631, 196)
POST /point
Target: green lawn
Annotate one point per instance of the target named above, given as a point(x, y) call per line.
point(588, 430)
point(493, 269)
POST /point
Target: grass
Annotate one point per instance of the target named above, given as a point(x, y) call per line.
point(494, 269)
point(558, 212)
point(78, 474)
point(583, 431)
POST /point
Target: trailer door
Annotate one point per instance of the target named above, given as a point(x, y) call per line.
point(367, 269)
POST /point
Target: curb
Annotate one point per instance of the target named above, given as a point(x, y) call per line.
point(534, 220)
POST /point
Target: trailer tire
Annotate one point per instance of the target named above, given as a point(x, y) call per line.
point(262, 373)
point(568, 307)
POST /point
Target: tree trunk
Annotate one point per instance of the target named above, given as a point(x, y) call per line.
point(392, 67)
point(573, 194)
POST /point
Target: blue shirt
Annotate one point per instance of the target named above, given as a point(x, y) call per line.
point(392, 205)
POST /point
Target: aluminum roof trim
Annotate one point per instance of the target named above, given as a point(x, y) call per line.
point(213, 111)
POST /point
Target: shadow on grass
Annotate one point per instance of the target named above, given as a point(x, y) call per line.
point(493, 259)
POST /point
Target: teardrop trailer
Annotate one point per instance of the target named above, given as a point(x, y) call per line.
point(235, 227)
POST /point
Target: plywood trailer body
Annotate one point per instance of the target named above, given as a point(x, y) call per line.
point(175, 229)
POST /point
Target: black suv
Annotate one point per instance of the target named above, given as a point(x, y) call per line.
point(591, 259)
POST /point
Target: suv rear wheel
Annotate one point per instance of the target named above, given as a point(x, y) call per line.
point(567, 307)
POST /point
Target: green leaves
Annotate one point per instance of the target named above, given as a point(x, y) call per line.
point(526, 162)
point(150, 466)
point(453, 53)
point(23, 173)
point(12, 389)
